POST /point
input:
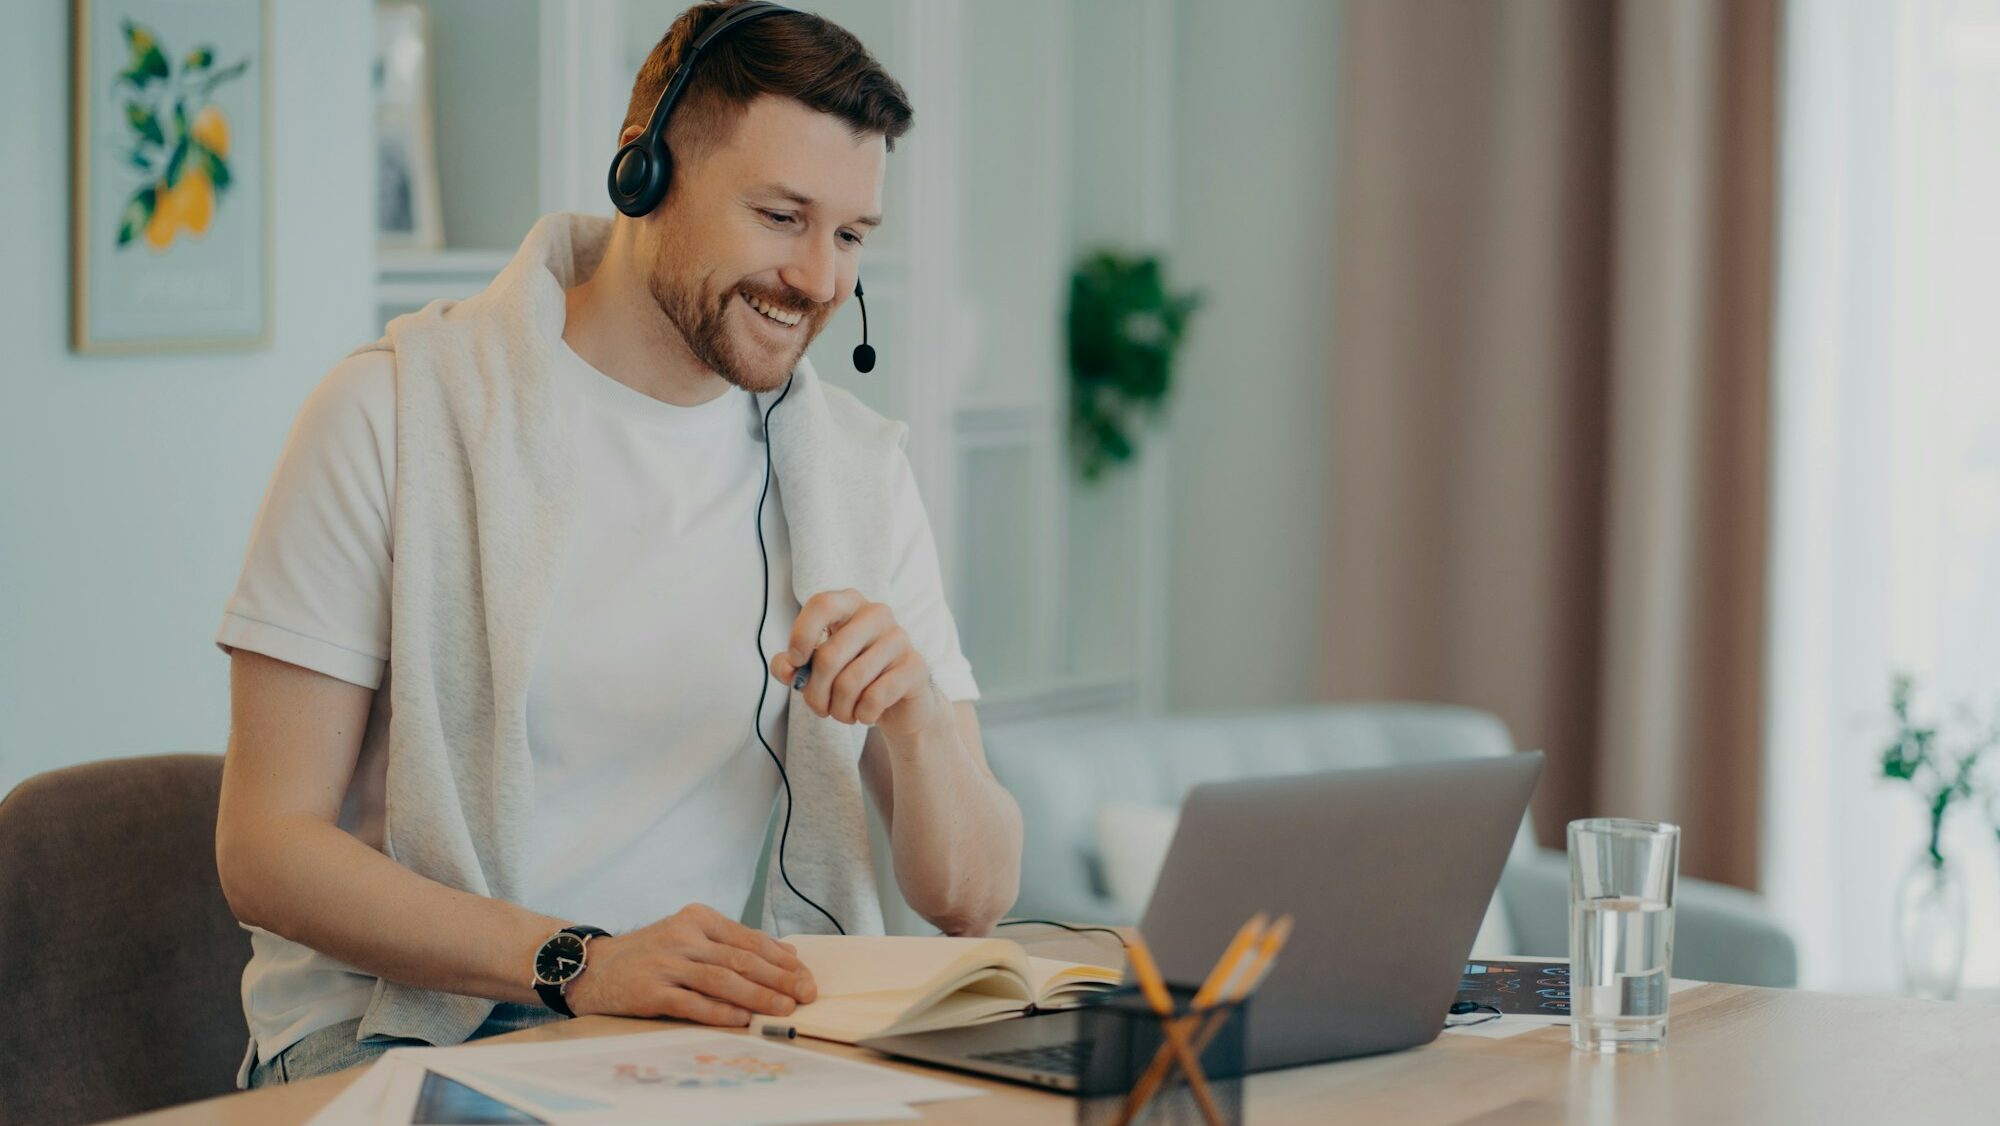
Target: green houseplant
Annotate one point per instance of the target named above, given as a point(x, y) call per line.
point(1124, 328)
point(1931, 902)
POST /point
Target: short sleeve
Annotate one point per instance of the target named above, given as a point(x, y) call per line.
point(917, 592)
point(314, 590)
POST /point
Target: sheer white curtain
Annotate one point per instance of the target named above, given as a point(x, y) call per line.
point(1886, 545)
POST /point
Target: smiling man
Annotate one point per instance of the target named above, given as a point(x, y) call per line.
point(501, 750)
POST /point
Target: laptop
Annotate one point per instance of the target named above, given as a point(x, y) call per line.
point(1386, 872)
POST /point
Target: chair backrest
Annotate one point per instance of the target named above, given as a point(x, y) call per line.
point(123, 962)
point(1062, 770)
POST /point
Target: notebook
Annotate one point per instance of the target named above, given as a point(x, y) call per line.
point(881, 986)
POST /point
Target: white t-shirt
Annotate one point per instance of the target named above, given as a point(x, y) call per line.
point(651, 791)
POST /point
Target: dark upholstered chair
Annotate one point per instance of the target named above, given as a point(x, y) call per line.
point(120, 963)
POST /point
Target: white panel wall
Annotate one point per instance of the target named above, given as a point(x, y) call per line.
point(1253, 211)
point(128, 484)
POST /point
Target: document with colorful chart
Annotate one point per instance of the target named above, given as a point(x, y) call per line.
point(686, 1076)
point(1533, 987)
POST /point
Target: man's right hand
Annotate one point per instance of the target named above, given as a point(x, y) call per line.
point(696, 964)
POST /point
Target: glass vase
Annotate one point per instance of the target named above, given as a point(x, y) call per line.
point(1930, 928)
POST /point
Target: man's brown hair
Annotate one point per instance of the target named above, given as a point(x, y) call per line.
point(794, 55)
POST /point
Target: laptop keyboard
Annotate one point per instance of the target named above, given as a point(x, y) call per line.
point(1049, 1059)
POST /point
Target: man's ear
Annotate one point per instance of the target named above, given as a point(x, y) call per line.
point(629, 134)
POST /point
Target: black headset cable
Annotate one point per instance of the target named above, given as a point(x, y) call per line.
point(764, 669)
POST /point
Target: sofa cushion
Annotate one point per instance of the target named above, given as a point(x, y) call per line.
point(1496, 936)
point(1132, 841)
point(1063, 770)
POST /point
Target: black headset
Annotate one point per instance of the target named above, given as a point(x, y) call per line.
point(644, 167)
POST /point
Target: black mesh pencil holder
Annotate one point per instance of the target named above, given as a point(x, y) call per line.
point(1132, 1077)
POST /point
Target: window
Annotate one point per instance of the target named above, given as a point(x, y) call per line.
point(1886, 548)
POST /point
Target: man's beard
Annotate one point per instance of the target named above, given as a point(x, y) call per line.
point(703, 322)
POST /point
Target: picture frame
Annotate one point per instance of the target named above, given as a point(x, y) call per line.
point(170, 209)
point(408, 208)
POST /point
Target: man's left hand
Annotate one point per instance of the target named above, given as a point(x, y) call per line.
point(864, 668)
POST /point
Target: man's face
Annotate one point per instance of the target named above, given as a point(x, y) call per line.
point(774, 217)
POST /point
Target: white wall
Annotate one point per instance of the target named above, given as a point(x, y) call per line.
point(128, 484)
point(485, 81)
point(1254, 150)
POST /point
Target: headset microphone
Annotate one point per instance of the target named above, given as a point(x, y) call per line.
point(864, 356)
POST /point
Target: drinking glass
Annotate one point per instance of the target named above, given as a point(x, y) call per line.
point(1621, 932)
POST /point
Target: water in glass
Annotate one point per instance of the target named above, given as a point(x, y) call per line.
point(1621, 947)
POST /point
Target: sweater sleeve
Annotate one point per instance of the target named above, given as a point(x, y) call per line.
point(917, 591)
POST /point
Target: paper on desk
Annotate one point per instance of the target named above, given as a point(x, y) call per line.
point(365, 1101)
point(501, 1089)
point(357, 1104)
point(1517, 1024)
point(691, 1075)
point(412, 1093)
point(415, 1094)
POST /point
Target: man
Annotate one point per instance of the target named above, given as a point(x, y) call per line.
point(490, 649)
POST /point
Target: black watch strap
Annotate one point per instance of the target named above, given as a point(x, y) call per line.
point(552, 995)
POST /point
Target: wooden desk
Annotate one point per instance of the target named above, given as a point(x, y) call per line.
point(1735, 1054)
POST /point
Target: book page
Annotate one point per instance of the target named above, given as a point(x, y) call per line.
point(1060, 984)
point(843, 964)
point(847, 1018)
point(855, 1017)
point(874, 985)
point(870, 985)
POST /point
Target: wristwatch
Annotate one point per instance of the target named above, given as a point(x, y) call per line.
point(559, 961)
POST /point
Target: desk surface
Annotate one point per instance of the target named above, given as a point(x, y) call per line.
point(1734, 1054)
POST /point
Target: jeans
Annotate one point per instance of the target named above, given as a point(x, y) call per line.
point(334, 1047)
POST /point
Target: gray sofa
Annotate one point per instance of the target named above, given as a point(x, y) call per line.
point(1062, 770)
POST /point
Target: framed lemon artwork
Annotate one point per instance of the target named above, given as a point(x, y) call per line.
point(170, 212)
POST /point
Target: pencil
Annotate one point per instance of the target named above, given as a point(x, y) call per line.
point(1178, 1030)
point(1260, 968)
point(1151, 985)
point(1272, 941)
point(1225, 966)
point(1154, 989)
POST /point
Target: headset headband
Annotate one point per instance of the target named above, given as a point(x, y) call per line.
point(664, 108)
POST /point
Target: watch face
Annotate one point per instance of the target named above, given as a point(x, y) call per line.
point(559, 959)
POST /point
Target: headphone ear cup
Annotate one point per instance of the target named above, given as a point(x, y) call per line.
point(661, 174)
point(639, 178)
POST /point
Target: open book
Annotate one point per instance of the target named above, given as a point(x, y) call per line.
point(880, 986)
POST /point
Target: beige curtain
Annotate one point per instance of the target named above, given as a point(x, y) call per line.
point(1551, 389)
